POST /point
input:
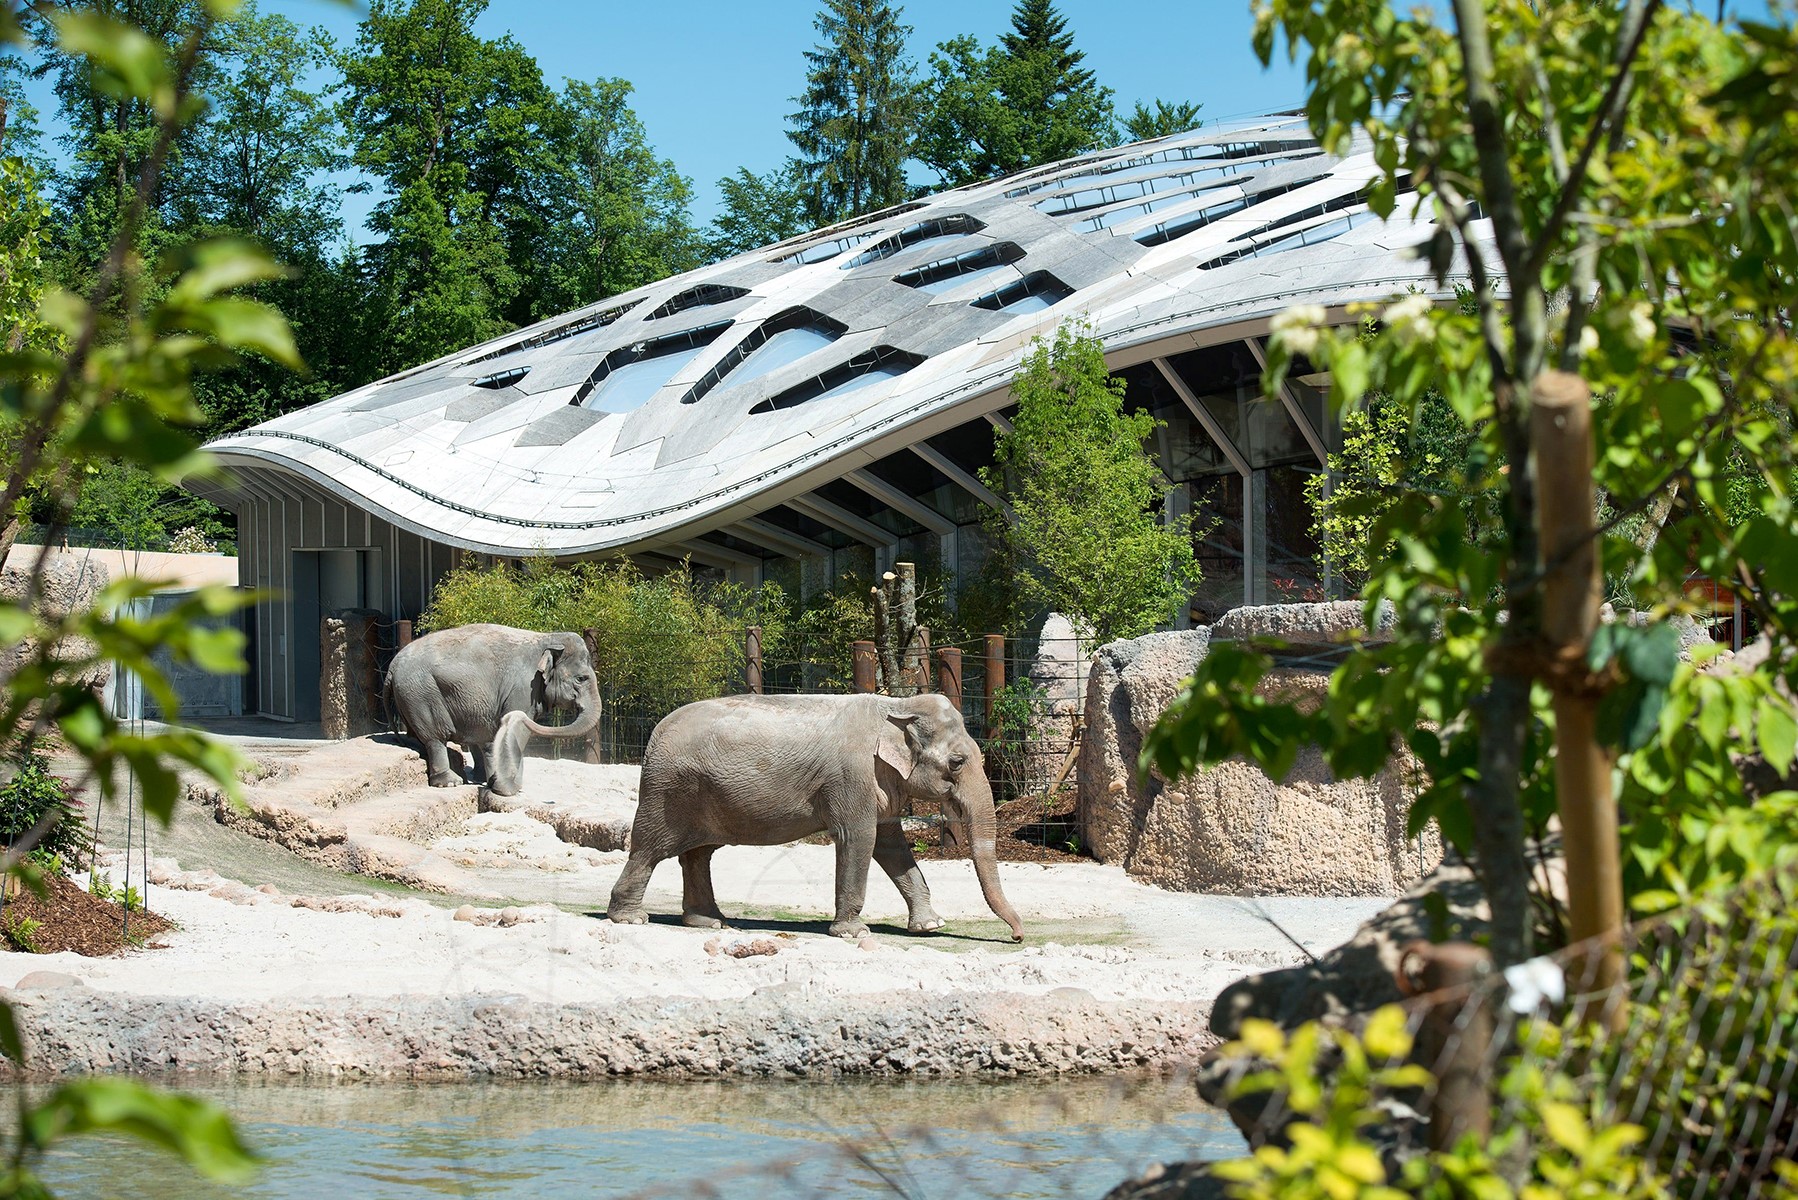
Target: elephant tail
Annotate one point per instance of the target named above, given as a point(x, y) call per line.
point(392, 714)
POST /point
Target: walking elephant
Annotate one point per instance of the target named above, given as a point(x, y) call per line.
point(481, 686)
point(765, 770)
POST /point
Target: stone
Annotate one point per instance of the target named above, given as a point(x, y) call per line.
point(467, 912)
point(1330, 623)
point(1063, 657)
point(1229, 828)
point(48, 981)
point(509, 917)
point(70, 582)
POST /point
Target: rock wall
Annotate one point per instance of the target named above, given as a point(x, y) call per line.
point(68, 584)
point(1230, 828)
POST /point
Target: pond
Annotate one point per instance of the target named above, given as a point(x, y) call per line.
point(1070, 1137)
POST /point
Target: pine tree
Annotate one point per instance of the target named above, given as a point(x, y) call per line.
point(1165, 118)
point(1018, 104)
point(853, 128)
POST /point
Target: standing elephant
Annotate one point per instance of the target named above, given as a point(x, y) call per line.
point(765, 770)
point(480, 685)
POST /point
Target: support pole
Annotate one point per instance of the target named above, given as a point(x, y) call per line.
point(948, 675)
point(752, 659)
point(402, 635)
point(1572, 593)
point(862, 657)
point(995, 675)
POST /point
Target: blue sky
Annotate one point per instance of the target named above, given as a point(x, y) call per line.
point(715, 78)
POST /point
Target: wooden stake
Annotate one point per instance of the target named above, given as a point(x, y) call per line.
point(1572, 593)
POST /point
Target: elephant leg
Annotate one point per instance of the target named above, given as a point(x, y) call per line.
point(699, 907)
point(483, 758)
point(855, 850)
point(626, 904)
point(437, 761)
point(895, 858)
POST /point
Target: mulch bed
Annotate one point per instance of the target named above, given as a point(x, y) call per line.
point(1031, 829)
point(74, 920)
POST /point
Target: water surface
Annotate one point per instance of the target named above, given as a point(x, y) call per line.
point(1075, 1137)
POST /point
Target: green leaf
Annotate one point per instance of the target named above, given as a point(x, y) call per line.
point(205, 268)
point(130, 62)
point(1778, 733)
point(201, 1134)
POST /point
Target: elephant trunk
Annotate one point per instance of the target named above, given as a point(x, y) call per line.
point(582, 725)
point(977, 807)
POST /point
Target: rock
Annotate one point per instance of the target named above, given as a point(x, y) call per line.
point(1331, 623)
point(48, 981)
point(1357, 976)
point(1063, 657)
point(1229, 828)
point(1171, 1181)
point(868, 942)
point(758, 948)
point(467, 912)
point(268, 889)
point(70, 582)
point(714, 946)
point(509, 917)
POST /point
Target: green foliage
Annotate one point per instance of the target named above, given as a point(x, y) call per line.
point(1165, 118)
point(853, 127)
point(22, 932)
point(988, 111)
point(1465, 685)
point(756, 211)
point(1087, 536)
point(34, 795)
point(1020, 722)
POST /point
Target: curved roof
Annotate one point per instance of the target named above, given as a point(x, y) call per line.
point(680, 407)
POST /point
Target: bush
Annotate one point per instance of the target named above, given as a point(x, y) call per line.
point(31, 795)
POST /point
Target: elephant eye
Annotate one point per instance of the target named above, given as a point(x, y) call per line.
point(957, 762)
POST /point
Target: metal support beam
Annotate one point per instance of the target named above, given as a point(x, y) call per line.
point(1206, 421)
point(1313, 437)
point(841, 519)
point(899, 502)
point(772, 537)
point(715, 555)
point(960, 478)
point(999, 421)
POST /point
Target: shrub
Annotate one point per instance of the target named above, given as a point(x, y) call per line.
point(31, 795)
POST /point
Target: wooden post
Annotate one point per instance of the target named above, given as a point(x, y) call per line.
point(862, 657)
point(1572, 593)
point(1455, 1039)
point(402, 635)
point(995, 675)
point(752, 659)
point(948, 675)
point(916, 673)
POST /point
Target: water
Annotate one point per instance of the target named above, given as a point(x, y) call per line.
point(410, 1142)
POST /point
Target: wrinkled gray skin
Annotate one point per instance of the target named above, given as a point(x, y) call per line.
point(480, 685)
point(766, 770)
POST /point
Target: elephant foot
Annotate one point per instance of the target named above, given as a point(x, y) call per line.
point(926, 924)
point(445, 779)
point(628, 916)
point(852, 930)
point(695, 920)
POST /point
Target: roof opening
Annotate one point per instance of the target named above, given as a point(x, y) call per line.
point(1033, 293)
point(838, 238)
point(953, 225)
point(867, 368)
point(780, 341)
point(500, 379)
point(556, 333)
point(946, 273)
point(698, 297)
point(630, 375)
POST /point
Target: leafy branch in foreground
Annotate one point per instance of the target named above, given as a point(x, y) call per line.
point(1636, 166)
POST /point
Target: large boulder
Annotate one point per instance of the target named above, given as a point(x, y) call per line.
point(70, 582)
point(1229, 828)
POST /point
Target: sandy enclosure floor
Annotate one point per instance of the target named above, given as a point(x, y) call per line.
point(1113, 974)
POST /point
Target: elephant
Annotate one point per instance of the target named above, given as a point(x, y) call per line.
point(757, 770)
point(479, 685)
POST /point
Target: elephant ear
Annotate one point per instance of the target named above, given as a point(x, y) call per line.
point(895, 745)
point(551, 652)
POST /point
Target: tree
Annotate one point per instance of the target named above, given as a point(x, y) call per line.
point(1632, 174)
point(1024, 102)
point(1164, 119)
point(758, 210)
point(453, 126)
point(1087, 539)
point(624, 220)
point(853, 127)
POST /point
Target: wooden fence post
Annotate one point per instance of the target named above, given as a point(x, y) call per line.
point(995, 675)
point(948, 674)
point(402, 634)
point(862, 661)
point(1572, 593)
point(752, 659)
